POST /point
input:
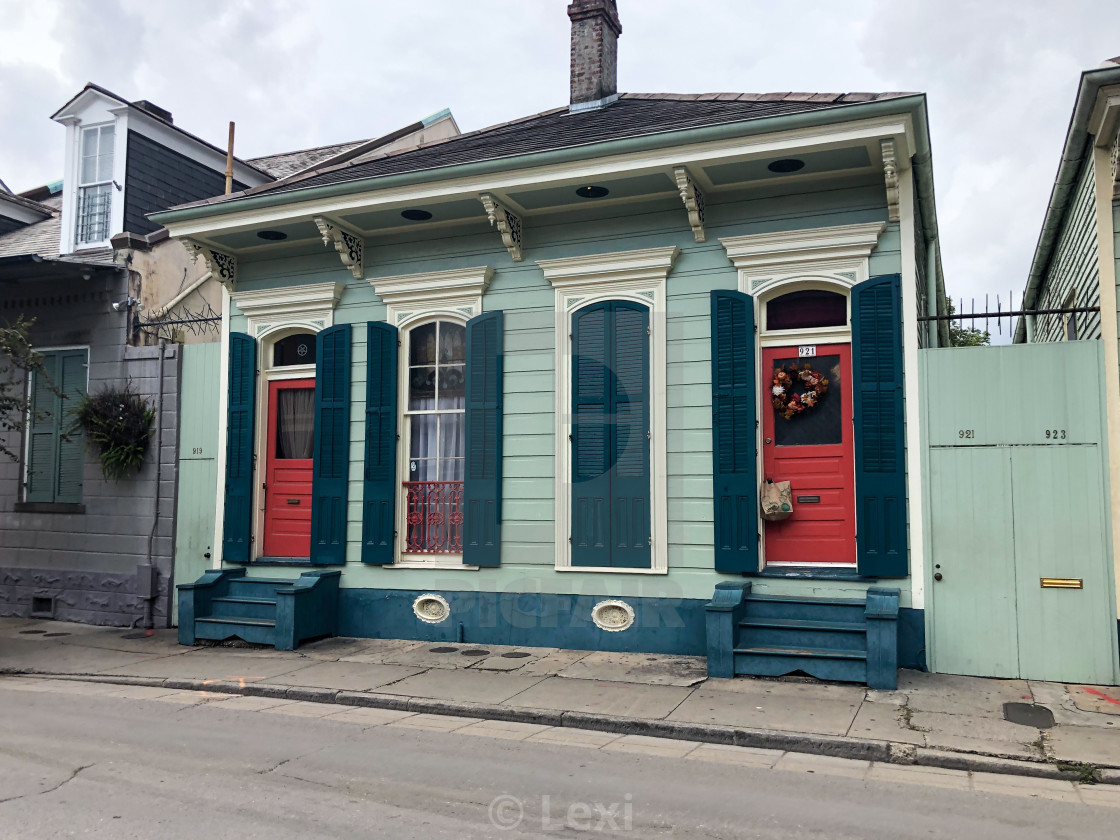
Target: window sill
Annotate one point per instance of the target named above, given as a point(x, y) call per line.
point(612, 570)
point(49, 507)
point(278, 561)
point(443, 565)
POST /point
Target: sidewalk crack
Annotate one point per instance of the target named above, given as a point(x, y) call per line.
point(65, 781)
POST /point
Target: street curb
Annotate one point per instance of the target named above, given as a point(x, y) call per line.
point(888, 752)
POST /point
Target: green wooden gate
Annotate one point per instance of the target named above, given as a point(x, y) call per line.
point(1020, 576)
point(198, 476)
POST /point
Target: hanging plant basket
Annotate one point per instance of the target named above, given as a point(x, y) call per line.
point(117, 422)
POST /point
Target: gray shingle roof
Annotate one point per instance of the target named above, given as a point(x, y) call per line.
point(288, 163)
point(633, 115)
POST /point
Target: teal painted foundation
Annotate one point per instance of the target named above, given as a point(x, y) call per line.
point(661, 625)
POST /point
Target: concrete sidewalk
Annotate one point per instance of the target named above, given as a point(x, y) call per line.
point(932, 720)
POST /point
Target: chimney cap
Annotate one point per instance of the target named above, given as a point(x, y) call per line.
point(153, 109)
point(606, 9)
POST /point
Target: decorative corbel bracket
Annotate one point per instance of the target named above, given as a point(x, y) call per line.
point(890, 174)
point(507, 222)
point(1116, 166)
point(346, 241)
point(222, 266)
point(693, 200)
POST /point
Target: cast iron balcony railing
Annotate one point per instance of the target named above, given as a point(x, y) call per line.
point(433, 517)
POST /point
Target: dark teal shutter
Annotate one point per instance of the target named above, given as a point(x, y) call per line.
point(379, 492)
point(482, 491)
point(42, 448)
point(734, 432)
point(72, 379)
point(331, 469)
point(879, 427)
point(610, 472)
point(237, 526)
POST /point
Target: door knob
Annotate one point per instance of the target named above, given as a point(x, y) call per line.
point(768, 441)
point(937, 575)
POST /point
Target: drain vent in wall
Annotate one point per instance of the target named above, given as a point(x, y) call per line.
point(42, 607)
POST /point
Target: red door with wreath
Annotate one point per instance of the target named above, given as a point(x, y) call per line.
point(807, 436)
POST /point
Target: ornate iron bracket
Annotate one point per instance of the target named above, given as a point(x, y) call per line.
point(347, 242)
point(890, 174)
point(221, 265)
point(693, 200)
point(507, 222)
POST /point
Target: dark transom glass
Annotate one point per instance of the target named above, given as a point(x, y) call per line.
point(807, 309)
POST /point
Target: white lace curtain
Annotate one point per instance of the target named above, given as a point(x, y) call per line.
point(295, 432)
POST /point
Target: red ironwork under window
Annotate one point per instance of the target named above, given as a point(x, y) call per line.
point(434, 517)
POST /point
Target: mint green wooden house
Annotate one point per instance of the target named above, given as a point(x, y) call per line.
point(516, 387)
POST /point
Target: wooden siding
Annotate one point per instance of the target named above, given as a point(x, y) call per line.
point(1073, 266)
point(527, 300)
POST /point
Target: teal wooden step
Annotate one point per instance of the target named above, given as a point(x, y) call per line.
point(808, 609)
point(800, 633)
point(237, 607)
point(254, 587)
point(838, 665)
point(256, 630)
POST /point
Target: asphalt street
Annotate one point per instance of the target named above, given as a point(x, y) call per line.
point(105, 761)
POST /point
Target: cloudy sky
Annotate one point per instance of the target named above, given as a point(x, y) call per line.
point(1001, 76)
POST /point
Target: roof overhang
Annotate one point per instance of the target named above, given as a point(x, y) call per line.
point(1096, 114)
point(901, 119)
point(23, 268)
point(22, 209)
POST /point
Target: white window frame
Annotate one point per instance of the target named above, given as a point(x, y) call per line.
point(412, 300)
point(272, 314)
point(831, 259)
point(639, 276)
point(83, 132)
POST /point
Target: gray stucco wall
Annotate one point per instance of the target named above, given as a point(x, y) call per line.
point(86, 561)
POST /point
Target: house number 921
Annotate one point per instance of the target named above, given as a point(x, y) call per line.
point(967, 434)
point(1055, 434)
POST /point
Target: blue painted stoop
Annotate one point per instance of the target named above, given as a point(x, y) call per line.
point(845, 639)
point(225, 603)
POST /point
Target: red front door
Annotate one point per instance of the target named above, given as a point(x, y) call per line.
point(813, 451)
point(288, 468)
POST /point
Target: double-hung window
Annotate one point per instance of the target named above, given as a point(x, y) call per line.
point(95, 185)
point(55, 443)
point(434, 423)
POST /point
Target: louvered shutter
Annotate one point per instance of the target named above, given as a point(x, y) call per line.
point(379, 491)
point(734, 433)
point(42, 449)
point(237, 525)
point(630, 474)
point(879, 427)
point(72, 379)
point(592, 436)
point(482, 491)
point(331, 468)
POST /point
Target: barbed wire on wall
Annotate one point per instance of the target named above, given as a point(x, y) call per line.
point(183, 320)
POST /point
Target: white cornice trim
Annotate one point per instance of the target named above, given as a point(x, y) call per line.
point(811, 245)
point(645, 266)
point(409, 290)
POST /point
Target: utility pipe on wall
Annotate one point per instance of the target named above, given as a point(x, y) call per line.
point(149, 607)
point(179, 298)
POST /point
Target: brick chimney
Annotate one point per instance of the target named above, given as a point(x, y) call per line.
point(595, 31)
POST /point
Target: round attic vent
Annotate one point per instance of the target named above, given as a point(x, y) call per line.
point(416, 215)
point(272, 235)
point(592, 192)
point(786, 165)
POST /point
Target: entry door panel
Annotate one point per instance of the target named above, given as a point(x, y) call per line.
point(289, 467)
point(1059, 533)
point(814, 452)
point(973, 549)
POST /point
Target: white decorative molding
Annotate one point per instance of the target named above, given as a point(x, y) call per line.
point(890, 174)
point(839, 254)
point(457, 292)
point(309, 307)
point(221, 265)
point(508, 224)
point(639, 276)
point(693, 200)
point(347, 241)
point(613, 616)
point(431, 608)
point(621, 269)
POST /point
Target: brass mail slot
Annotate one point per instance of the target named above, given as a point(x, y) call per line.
point(1060, 583)
point(809, 500)
point(293, 501)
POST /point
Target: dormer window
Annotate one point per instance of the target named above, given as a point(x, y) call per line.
point(95, 187)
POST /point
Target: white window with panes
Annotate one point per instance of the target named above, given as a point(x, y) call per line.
point(95, 185)
point(434, 423)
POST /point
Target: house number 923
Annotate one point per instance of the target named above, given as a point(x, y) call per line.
point(1055, 434)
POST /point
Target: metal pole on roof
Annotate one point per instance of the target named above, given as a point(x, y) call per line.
point(229, 161)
